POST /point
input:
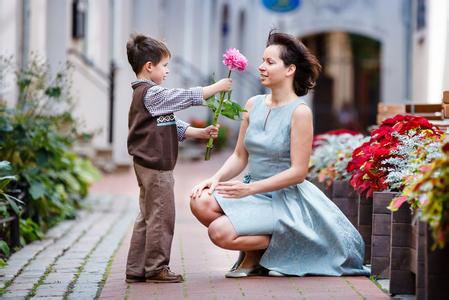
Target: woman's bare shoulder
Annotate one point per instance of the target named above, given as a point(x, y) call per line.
point(302, 111)
point(249, 104)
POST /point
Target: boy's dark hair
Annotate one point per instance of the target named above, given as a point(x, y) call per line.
point(142, 49)
point(294, 52)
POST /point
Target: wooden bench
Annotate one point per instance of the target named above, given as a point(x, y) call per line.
point(436, 113)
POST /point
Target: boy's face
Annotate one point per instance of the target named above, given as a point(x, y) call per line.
point(159, 72)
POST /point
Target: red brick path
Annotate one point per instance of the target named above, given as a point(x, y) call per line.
point(204, 264)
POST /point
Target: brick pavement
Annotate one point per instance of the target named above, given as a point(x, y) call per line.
point(203, 264)
point(74, 260)
point(70, 262)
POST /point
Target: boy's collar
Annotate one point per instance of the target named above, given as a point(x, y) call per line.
point(143, 80)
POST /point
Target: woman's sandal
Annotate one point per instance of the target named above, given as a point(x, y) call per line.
point(276, 274)
point(245, 272)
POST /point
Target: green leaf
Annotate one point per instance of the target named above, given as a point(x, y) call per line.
point(2, 265)
point(5, 165)
point(37, 190)
point(4, 248)
point(12, 203)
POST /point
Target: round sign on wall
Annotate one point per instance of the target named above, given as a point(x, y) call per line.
point(281, 5)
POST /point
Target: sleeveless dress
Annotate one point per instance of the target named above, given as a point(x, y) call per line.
point(309, 234)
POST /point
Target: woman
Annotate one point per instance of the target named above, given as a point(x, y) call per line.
point(281, 222)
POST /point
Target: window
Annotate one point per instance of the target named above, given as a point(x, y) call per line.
point(79, 9)
point(420, 14)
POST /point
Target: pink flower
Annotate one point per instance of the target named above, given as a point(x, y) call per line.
point(233, 59)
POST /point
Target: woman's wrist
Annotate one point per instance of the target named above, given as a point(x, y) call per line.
point(216, 177)
point(252, 187)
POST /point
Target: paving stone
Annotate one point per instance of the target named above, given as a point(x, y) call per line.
point(204, 264)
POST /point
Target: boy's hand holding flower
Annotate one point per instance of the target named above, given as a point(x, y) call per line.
point(234, 60)
point(210, 131)
point(224, 85)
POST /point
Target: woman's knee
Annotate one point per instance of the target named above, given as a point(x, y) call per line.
point(221, 232)
point(198, 204)
point(202, 204)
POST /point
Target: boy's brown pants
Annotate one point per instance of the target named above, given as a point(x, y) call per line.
point(153, 230)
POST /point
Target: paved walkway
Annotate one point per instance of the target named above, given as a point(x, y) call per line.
point(203, 264)
point(85, 258)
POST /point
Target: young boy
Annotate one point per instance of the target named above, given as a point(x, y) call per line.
point(153, 142)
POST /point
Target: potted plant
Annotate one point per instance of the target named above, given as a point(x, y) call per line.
point(428, 194)
point(331, 154)
point(378, 168)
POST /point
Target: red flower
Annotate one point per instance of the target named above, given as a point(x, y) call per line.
point(366, 161)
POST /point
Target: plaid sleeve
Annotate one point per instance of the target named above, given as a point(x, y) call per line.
point(161, 101)
point(181, 128)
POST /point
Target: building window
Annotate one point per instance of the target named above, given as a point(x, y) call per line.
point(420, 14)
point(79, 9)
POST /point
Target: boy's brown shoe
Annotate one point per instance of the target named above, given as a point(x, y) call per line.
point(133, 279)
point(165, 276)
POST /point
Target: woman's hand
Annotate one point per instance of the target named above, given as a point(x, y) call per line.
point(210, 183)
point(234, 189)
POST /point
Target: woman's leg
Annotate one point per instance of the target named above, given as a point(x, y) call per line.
point(205, 208)
point(222, 234)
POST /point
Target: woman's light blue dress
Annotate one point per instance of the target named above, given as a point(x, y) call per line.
point(309, 234)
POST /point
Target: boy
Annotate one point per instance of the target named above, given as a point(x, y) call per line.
point(153, 142)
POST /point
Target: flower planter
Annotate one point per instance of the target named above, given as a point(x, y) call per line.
point(403, 252)
point(418, 268)
point(381, 235)
point(345, 197)
point(436, 270)
point(364, 223)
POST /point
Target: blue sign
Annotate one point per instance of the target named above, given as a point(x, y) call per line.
point(281, 6)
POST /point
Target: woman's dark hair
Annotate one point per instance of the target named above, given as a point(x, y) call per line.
point(293, 52)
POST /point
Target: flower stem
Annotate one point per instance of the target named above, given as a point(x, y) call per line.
point(210, 142)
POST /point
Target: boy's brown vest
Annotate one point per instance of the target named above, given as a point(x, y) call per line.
point(152, 141)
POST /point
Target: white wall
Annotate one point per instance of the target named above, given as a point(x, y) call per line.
point(437, 39)
point(9, 46)
point(38, 28)
point(58, 32)
point(124, 76)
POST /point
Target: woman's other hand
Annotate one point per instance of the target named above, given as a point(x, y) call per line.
point(210, 184)
point(234, 189)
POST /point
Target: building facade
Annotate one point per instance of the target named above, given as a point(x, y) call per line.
point(372, 51)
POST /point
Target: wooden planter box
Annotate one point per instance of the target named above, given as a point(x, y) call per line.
point(346, 199)
point(403, 252)
point(381, 234)
point(364, 223)
point(436, 270)
point(415, 268)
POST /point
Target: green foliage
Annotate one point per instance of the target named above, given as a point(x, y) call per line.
point(430, 193)
point(36, 138)
point(4, 248)
point(29, 231)
point(7, 200)
point(229, 108)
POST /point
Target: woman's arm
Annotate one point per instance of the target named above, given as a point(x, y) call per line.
point(236, 163)
point(300, 151)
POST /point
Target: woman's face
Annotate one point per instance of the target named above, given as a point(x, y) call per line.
point(273, 70)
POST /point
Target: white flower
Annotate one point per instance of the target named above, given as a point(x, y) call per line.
point(334, 151)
